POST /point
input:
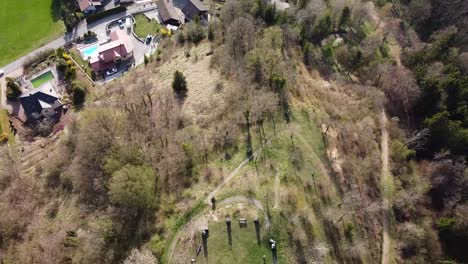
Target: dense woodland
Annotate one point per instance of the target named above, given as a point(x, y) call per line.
point(131, 155)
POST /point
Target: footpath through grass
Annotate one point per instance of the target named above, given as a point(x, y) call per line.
point(26, 25)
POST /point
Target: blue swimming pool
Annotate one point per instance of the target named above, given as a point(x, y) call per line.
point(89, 51)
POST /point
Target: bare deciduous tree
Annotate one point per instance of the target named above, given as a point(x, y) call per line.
point(399, 85)
point(143, 256)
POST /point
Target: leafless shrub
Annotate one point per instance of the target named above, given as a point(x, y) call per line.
point(143, 256)
point(36, 59)
point(401, 89)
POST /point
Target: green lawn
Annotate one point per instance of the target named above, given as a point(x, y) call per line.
point(26, 25)
point(244, 247)
point(144, 26)
point(76, 55)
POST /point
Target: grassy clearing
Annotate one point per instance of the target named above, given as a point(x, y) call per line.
point(244, 247)
point(144, 26)
point(26, 25)
point(297, 212)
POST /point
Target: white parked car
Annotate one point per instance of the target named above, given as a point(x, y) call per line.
point(111, 71)
point(1, 72)
point(128, 23)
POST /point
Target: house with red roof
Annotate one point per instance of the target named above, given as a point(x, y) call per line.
point(88, 6)
point(118, 49)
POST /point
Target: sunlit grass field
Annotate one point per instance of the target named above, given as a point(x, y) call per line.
point(26, 25)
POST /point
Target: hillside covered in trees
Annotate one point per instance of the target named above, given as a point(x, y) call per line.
point(344, 124)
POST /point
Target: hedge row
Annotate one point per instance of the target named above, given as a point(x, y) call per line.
point(106, 13)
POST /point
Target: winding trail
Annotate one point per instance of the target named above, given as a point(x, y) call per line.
point(234, 173)
point(276, 188)
point(385, 181)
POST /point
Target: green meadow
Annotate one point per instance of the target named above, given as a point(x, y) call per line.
point(26, 25)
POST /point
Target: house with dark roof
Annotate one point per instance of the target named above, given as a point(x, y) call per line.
point(88, 6)
point(41, 102)
point(194, 8)
point(119, 48)
point(168, 13)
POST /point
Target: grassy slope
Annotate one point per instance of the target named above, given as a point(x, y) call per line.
point(25, 25)
point(296, 194)
point(309, 141)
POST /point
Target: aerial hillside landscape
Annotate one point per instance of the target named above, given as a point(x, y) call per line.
point(237, 131)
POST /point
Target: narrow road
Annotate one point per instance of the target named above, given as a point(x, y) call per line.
point(385, 181)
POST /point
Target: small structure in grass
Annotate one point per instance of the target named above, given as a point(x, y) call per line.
point(242, 223)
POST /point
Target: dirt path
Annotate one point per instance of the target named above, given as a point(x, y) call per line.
point(233, 173)
point(386, 240)
point(276, 188)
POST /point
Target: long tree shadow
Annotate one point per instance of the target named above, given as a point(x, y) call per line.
point(229, 231)
point(55, 10)
point(257, 230)
point(205, 235)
